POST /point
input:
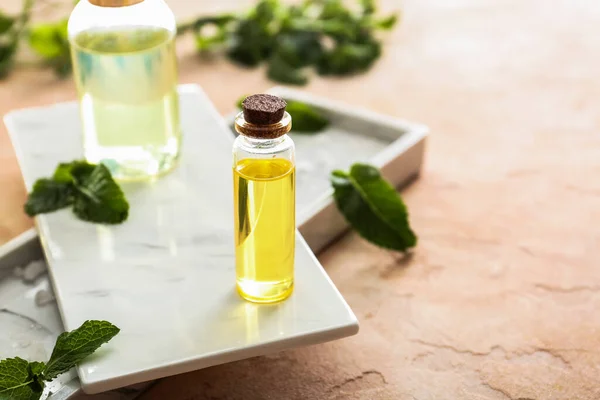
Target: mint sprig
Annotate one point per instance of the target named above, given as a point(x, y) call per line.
point(25, 380)
point(373, 207)
point(89, 188)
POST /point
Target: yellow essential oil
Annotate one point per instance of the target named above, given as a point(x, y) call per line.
point(127, 80)
point(264, 198)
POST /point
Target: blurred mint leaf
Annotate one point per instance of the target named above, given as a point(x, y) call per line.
point(280, 71)
point(373, 207)
point(7, 53)
point(387, 23)
point(305, 119)
point(299, 48)
point(349, 58)
point(72, 347)
point(253, 39)
point(17, 381)
point(6, 23)
point(51, 42)
point(211, 40)
point(98, 197)
point(47, 196)
point(36, 368)
point(64, 171)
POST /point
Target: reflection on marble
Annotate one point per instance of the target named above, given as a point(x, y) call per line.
point(166, 276)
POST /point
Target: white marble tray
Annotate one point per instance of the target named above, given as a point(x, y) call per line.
point(354, 135)
point(166, 276)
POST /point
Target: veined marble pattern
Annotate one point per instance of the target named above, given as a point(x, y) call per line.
point(166, 276)
point(30, 323)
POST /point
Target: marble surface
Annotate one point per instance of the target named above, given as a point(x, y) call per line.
point(30, 323)
point(166, 276)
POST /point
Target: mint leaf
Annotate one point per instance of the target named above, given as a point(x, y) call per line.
point(51, 42)
point(48, 196)
point(90, 188)
point(305, 118)
point(372, 207)
point(98, 198)
point(16, 382)
point(387, 23)
point(65, 171)
point(36, 368)
point(72, 347)
point(6, 22)
point(280, 71)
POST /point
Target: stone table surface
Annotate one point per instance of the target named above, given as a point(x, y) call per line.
point(500, 299)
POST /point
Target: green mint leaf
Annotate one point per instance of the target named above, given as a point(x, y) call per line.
point(299, 48)
point(305, 119)
point(98, 198)
point(48, 196)
point(16, 381)
point(368, 6)
point(372, 207)
point(211, 40)
point(280, 71)
point(50, 40)
point(72, 347)
point(65, 171)
point(6, 23)
point(387, 23)
point(349, 58)
point(7, 53)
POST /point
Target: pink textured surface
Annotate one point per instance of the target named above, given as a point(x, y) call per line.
point(500, 298)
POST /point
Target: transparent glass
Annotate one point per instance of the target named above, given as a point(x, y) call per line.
point(125, 69)
point(265, 217)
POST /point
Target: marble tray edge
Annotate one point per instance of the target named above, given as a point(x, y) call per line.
point(400, 162)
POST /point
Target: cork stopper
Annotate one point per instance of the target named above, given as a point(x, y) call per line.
point(263, 117)
point(263, 109)
point(114, 3)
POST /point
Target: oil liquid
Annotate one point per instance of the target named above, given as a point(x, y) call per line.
point(126, 80)
point(265, 224)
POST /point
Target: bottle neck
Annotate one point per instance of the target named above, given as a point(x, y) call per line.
point(263, 132)
point(257, 143)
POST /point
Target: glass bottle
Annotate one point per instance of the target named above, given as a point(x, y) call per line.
point(125, 69)
point(264, 207)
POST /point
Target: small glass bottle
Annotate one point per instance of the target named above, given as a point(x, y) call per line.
point(125, 69)
point(264, 200)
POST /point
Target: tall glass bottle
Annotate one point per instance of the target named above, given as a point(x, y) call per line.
point(125, 69)
point(264, 200)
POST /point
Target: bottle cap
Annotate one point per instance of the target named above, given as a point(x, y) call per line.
point(263, 117)
point(263, 109)
point(114, 3)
